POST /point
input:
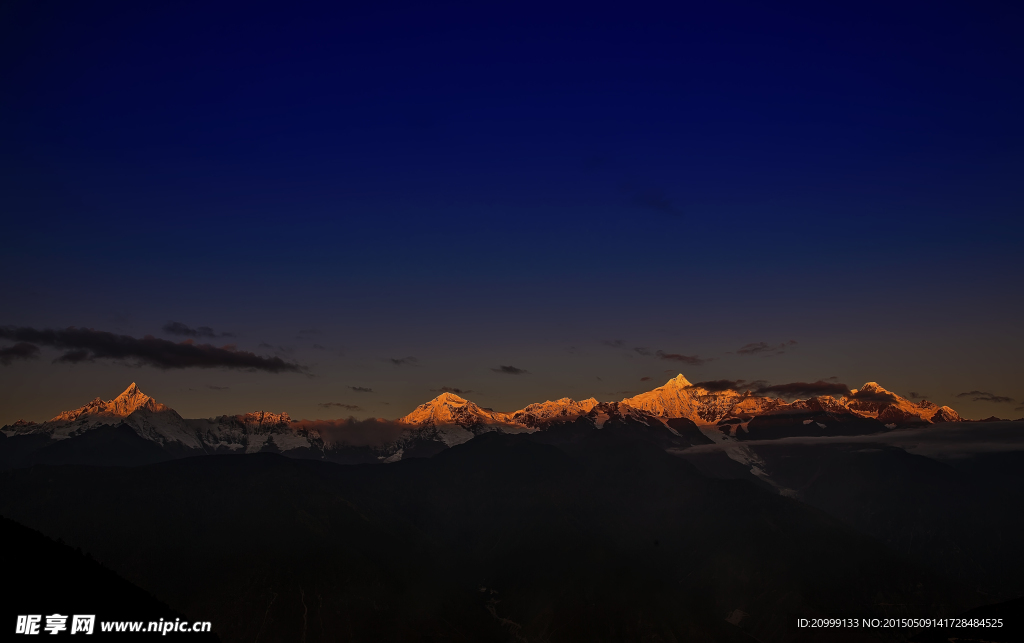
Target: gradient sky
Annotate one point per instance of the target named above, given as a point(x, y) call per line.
point(514, 185)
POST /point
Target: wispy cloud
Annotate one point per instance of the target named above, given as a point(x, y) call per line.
point(642, 350)
point(614, 343)
point(765, 349)
point(452, 389)
point(942, 441)
point(985, 396)
point(510, 370)
point(21, 350)
point(361, 389)
point(692, 360)
point(339, 405)
point(403, 361)
point(178, 328)
point(86, 344)
point(354, 432)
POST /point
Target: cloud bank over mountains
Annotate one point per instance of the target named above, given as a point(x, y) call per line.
point(87, 345)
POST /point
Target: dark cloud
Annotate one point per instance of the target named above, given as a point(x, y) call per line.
point(339, 405)
point(717, 386)
point(510, 370)
point(178, 328)
point(644, 379)
point(763, 348)
point(642, 350)
point(403, 361)
point(692, 360)
point(452, 389)
point(21, 350)
point(914, 395)
point(985, 396)
point(319, 347)
point(265, 345)
point(361, 389)
point(614, 343)
point(353, 432)
point(877, 397)
point(75, 357)
point(804, 389)
point(86, 344)
point(218, 388)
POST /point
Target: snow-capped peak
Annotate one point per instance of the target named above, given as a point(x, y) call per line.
point(132, 399)
point(450, 409)
point(129, 401)
point(872, 400)
point(673, 400)
point(449, 398)
point(541, 413)
point(678, 382)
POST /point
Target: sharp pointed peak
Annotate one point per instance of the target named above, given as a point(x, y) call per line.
point(132, 390)
point(678, 382)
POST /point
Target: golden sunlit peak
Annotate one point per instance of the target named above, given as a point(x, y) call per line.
point(678, 381)
point(450, 397)
point(133, 389)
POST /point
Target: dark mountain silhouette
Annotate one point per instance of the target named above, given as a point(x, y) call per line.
point(808, 423)
point(606, 538)
point(52, 578)
point(957, 518)
point(103, 446)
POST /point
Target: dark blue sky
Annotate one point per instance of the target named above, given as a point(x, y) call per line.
point(515, 185)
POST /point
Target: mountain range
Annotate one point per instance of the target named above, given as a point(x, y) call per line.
point(133, 428)
point(448, 420)
point(681, 513)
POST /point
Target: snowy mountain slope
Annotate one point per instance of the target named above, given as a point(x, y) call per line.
point(540, 414)
point(672, 400)
point(250, 432)
point(871, 400)
point(453, 420)
point(149, 418)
